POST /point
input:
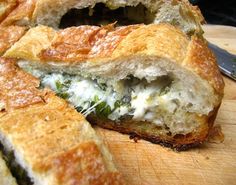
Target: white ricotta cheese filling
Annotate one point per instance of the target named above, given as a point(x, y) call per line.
point(151, 101)
point(82, 92)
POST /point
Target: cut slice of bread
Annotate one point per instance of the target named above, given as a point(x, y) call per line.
point(18, 16)
point(50, 140)
point(168, 84)
point(50, 12)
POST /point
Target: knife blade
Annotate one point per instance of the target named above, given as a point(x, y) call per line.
point(226, 61)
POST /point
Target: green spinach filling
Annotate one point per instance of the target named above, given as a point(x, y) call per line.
point(102, 100)
point(131, 97)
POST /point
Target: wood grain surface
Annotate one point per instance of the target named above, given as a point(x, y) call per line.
point(144, 163)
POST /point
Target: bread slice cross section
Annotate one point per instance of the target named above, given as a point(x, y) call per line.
point(50, 141)
point(151, 81)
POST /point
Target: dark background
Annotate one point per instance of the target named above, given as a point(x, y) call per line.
point(218, 12)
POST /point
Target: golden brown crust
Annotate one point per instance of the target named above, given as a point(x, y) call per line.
point(48, 123)
point(194, 10)
point(87, 159)
point(49, 131)
point(29, 46)
point(90, 43)
point(163, 40)
point(9, 35)
point(131, 40)
point(18, 89)
point(160, 41)
point(42, 12)
point(201, 60)
point(6, 6)
point(85, 42)
point(21, 14)
point(177, 12)
point(79, 44)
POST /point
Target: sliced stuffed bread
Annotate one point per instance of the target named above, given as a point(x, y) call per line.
point(44, 140)
point(151, 81)
point(17, 16)
point(65, 13)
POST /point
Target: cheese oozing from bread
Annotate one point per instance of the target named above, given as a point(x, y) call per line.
point(131, 98)
point(150, 80)
point(137, 97)
point(44, 140)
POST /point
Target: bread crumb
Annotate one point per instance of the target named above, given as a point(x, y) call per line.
point(216, 135)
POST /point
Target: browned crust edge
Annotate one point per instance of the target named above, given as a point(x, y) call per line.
point(180, 144)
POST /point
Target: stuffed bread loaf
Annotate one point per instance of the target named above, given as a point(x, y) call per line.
point(50, 12)
point(45, 141)
point(151, 81)
point(16, 16)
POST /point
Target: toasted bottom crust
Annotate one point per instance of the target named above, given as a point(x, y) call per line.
point(177, 142)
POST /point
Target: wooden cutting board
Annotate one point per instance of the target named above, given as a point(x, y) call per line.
point(144, 163)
